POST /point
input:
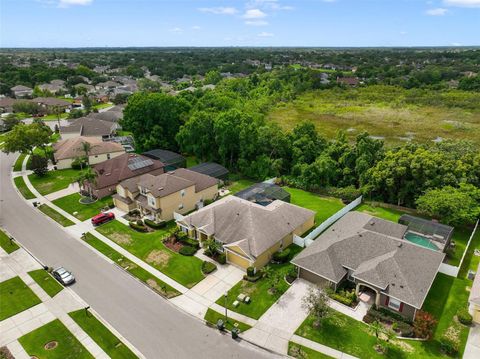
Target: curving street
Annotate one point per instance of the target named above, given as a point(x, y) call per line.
point(153, 325)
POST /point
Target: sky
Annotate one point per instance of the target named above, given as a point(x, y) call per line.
point(318, 23)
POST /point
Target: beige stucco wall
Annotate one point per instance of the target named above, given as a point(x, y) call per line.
point(66, 136)
point(306, 226)
point(63, 164)
point(407, 310)
point(94, 159)
point(238, 260)
point(123, 206)
point(313, 278)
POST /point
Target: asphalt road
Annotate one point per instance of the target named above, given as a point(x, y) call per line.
point(152, 324)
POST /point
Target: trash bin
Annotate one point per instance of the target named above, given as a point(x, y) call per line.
point(235, 332)
point(35, 204)
point(220, 324)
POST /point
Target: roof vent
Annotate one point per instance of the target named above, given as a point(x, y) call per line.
point(107, 174)
point(372, 223)
point(401, 286)
point(160, 188)
point(399, 245)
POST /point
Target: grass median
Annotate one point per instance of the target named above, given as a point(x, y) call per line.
point(22, 187)
point(7, 245)
point(46, 281)
point(72, 205)
point(56, 216)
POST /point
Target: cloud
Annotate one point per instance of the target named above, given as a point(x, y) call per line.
point(462, 3)
point(256, 22)
point(196, 27)
point(268, 4)
point(254, 14)
point(456, 44)
point(221, 10)
point(265, 34)
point(176, 30)
point(403, 32)
point(67, 3)
point(436, 12)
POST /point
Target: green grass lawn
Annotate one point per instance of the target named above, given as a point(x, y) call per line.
point(138, 272)
point(471, 261)
point(56, 216)
point(53, 117)
point(17, 166)
point(22, 187)
point(100, 106)
point(15, 297)
point(101, 335)
point(71, 204)
point(46, 281)
point(212, 317)
point(301, 352)
point(323, 206)
point(192, 161)
point(68, 346)
point(238, 185)
point(261, 298)
point(7, 245)
point(380, 212)
point(53, 181)
point(150, 248)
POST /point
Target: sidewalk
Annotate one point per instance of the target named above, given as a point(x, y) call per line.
point(472, 349)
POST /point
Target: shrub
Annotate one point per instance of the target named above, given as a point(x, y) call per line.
point(393, 315)
point(424, 325)
point(140, 222)
point(39, 165)
point(155, 225)
point(180, 236)
point(222, 258)
point(187, 251)
point(250, 271)
point(208, 267)
point(449, 345)
point(282, 256)
point(137, 227)
point(464, 316)
point(405, 329)
point(348, 298)
point(79, 163)
point(191, 242)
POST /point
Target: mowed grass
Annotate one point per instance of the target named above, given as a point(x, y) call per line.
point(301, 352)
point(15, 297)
point(323, 206)
point(138, 272)
point(383, 111)
point(7, 245)
point(71, 205)
point(212, 317)
point(46, 281)
point(149, 247)
point(17, 166)
point(240, 184)
point(53, 181)
point(68, 346)
point(22, 187)
point(56, 216)
point(101, 335)
point(385, 213)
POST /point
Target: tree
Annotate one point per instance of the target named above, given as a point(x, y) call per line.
point(39, 165)
point(316, 303)
point(86, 179)
point(10, 121)
point(87, 103)
point(211, 247)
point(24, 138)
point(57, 111)
point(212, 77)
point(86, 148)
point(424, 325)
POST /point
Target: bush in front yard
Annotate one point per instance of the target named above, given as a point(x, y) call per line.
point(137, 227)
point(282, 257)
point(192, 243)
point(250, 271)
point(424, 324)
point(187, 251)
point(221, 258)
point(208, 267)
point(155, 225)
point(449, 345)
point(464, 316)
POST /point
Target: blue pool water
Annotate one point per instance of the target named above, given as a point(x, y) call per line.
point(420, 240)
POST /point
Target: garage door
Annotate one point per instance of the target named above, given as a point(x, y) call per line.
point(237, 260)
point(311, 277)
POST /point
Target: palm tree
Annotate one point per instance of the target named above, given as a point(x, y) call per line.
point(86, 148)
point(86, 179)
point(211, 247)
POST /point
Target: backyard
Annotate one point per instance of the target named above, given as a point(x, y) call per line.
point(7, 245)
point(71, 205)
point(53, 181)
point(236, 185)
point(53, 341)
point(56, 216)
point(15, 297)
point(149, 247)
point(46, 281)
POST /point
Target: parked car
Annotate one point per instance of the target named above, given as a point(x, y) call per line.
point(63, 276)
point(103, 218)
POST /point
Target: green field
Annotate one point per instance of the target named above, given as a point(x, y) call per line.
point(71, 205)
point(56, 216)
point(46, 281)
point(53, 181)
point(385, 111)
point(7, 245)
point(15, 297)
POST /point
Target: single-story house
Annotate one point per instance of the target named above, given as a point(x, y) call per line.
point(108, 116)
point(54, 86)
point(6, 104)
point(66, 151)
point(21, 91)
point(117, 169)
point(88, 127)
point(474, 298)
point(373, 254)
point(172, 160)
point(50, 103)
point(158, 197)
point(211, 169)
point(248, 233)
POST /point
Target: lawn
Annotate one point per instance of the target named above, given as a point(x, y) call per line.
point(261, 298)
point(240, 184)
point(71, 204)
point(323, 206)
point(53, 117)
point(46, 281)
point(301, 352)
point(56, 216)
point(138, 272)
point(22, 187)
point(192, 161)
point(385, 213)
point(212, 317)
point(18, 162)
point(101, 335)
point(471, 261)
point(7, 245)
point(53, 181)
point(100, 106)
point(15, 297)
point(68, 347)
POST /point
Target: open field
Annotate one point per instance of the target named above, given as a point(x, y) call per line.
point(384, 111)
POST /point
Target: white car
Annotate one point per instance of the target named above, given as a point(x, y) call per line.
point(63, 276)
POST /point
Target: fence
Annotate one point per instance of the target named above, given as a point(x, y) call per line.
point(305, 242)
point(177, 216)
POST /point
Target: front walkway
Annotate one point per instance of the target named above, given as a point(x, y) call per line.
point(472, 349)
point(71, 189)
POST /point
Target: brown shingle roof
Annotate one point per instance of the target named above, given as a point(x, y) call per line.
point(51, 101)
point(72, 147)
point(87, 126)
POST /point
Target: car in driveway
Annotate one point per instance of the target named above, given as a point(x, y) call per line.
point(63, 276)
point(103, 218)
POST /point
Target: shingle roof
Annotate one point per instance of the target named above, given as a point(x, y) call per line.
point(377, 253)
point(51, 101)
point(109, 116)
point(87, 126)
point(254, 228)
point(20, 88)
point(72, 147)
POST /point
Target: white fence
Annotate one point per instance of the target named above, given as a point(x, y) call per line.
point(305, 242)
point(448, 269)
point(177, 216)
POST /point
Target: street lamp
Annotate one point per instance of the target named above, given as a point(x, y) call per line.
point(226, 317)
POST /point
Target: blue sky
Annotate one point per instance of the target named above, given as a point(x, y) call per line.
point(81, 23)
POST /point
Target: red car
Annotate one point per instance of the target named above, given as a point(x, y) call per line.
point(103, 218)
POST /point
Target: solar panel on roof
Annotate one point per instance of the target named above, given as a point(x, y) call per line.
point(137, 163)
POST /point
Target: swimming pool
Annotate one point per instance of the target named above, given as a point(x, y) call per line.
point(420, 240)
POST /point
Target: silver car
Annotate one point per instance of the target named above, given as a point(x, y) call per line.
point(63, 276)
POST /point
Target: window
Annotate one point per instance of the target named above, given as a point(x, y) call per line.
point(151, 201)
point(394, 304)
point(143, 190)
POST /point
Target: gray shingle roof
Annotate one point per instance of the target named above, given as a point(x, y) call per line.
point(87, 126)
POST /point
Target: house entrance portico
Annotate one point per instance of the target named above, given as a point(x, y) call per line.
point(367, 290)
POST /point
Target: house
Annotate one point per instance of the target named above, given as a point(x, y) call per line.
point(6, 104)
point(55, 86)
point(348, 81)
point(211, 169)
point(264, 193)
point(85, 87)
point(66, 151)
point(170, 159)
point(49, 104)
point(21, 91)
point(249, 233)
point(117, 169)
point(88, 127)
point(474, 298)
point(374, 255)
point(108, 116)
point(159, 197)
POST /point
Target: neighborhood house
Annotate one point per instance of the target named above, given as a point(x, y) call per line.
point(88, 127)
point(249, 233)
point(158, 197)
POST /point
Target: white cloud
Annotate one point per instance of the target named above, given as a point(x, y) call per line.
point(254, 14)
point(462, 3)
point(268, 4)
point(265, 34)
point(456, 44)
point(221, 10)
point(176, 30)
point(196, 27)
point(67, 3)
point(403, 32)
point(436, 12)
point(256, 22)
